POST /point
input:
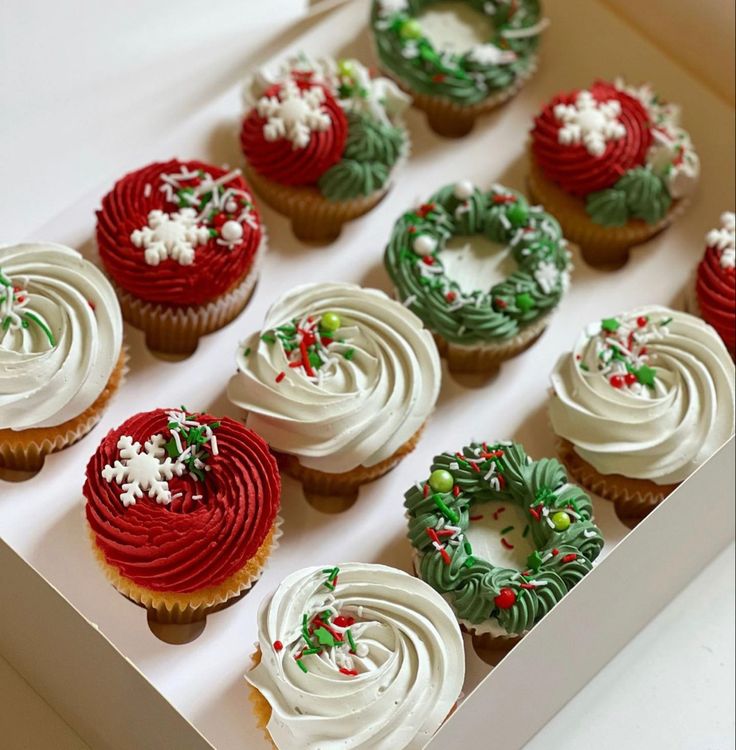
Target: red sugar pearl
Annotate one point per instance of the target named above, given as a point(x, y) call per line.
point(617, 381)
point(641, 321)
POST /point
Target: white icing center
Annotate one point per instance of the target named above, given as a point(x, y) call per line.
point(475, 262)
point(455, 27)
point(484, 534)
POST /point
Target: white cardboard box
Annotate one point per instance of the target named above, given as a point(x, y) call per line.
point(119, 687)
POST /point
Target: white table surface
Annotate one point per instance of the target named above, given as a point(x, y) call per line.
point(79, 97)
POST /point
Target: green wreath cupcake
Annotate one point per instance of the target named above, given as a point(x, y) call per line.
point(502, 536)
point(458, 61)
point(444, 255)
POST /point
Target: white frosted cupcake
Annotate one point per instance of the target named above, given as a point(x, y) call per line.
point(361, 656)
point(61, 355)
point(642, 400)
point(339, 382)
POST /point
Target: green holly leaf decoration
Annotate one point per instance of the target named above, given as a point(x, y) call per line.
point(324, 637)
point(610, 324)
point(646, 375)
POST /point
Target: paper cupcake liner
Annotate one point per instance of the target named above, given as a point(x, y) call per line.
point(334, 493)
point(177, 330)
point(452, 120)
point(599, 245)
point(634, 498)
point(488, 357)
point(261, 707)
point(172, 607)
point(26, 450)
point(313, 217)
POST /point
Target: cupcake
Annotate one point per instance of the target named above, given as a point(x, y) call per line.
point(642, 400)
point(715, 283)
point(613, 165)
point(501, 536)
point(61, 350)
point(339, 382)
point(442, 251)
point(182, 243)
point(460, 61)
point(322, 141)
point(182, 511)
point(361, 656)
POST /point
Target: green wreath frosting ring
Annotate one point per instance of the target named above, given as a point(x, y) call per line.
point(489, 315)
point(468, 78)
point(559, 518)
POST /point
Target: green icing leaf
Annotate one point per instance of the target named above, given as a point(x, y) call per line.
point(647, 196)
point(608, 207)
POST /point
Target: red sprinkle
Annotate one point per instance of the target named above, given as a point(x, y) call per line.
point(641, 321)
point(278, 646)
point(445, 532)
point(500, 304)
point(456, 490)
point(280, 377)
point(411, 229)
point(343, 622)
point(476, 518)
point(450, 296)
point(506, 543)
point(569, 558)
point(497, 513)
point(535, 513)
point(505, 599)
point(504, 198)
point(630, 378)
point(91, 304)
point(426, 490)
point(424, 209)
point(527, 585)
point(555, 552)
point(446, 558)
point(428, 260)
point(438, 78)
point(348, 672)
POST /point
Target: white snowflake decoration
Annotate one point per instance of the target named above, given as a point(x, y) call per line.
point(724, 239)
point(294, 113)
point(590, 122)
point(547, 275)
point(174, 235)
point(389, 7)
point(143, 472)
point(490, 54)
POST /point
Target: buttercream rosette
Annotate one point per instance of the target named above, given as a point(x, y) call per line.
point(339, 382)
point(642, 400)
point(61, 350)
point(455, 79)
point(358, 656)
point(182, 510)
point(613, 164)
point(182, 242)
point(715, 282)
point(322, 141)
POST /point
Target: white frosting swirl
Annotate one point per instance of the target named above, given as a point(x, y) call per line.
point(409, 672)
point(663, 430)
point(377, 387)
point(60, 335)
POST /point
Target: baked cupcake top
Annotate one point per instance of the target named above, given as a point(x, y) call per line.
point(340, 376)
point(716, 281)
point(619, 148)
point(648, 394)
point(463, 59)
point(324, 124)
point(178, 233)
point(463, 293)
point(361, 656)
point(504, 537)
point(180, 502)
point(61, 333)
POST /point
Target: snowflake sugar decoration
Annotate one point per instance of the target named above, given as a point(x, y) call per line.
point(294, 113)
point(490, 54)
point(724, 240)
point(390, 7)
point(590, 122)
point(170, 235)
point(547, 275)
point(138, 472)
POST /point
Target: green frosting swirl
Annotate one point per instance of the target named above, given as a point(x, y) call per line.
point(477, 589)
point(371, 150)
point(639, 194)
point(461, 78)
point(484, 315)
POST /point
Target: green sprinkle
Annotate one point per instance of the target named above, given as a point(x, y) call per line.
point(610, 324)
point(310, 651)
point(469, 562)
point(506, 530)
point(351, 641)
point(526, 531)
point(268, 338)
point(6, 323)
point(666, 322)
point(349, 354)
point(42, 326)
point(468, 548)
point(525, 302)
point(247, 351)
point(4, 280)
point(585, 367)
point(446, 511)
point(302, 666)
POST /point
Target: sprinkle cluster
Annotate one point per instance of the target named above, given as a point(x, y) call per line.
point(13, 312)
point(191, 442)
point(723, 239)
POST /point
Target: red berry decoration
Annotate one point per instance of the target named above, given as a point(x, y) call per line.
point(505, 599)
point(617, 381)
point(278, 646)
point(630, 378)
point(641, 321)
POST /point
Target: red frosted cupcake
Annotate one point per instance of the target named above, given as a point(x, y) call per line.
point(322, 141)
point(181, 242)
point(182, 510)
point(715, 285)
point(613, 165)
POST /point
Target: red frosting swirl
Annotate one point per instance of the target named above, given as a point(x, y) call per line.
point(279, 160)
point(190, 544)
point(574, 169)
point(215, 270)
point(716, 291)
